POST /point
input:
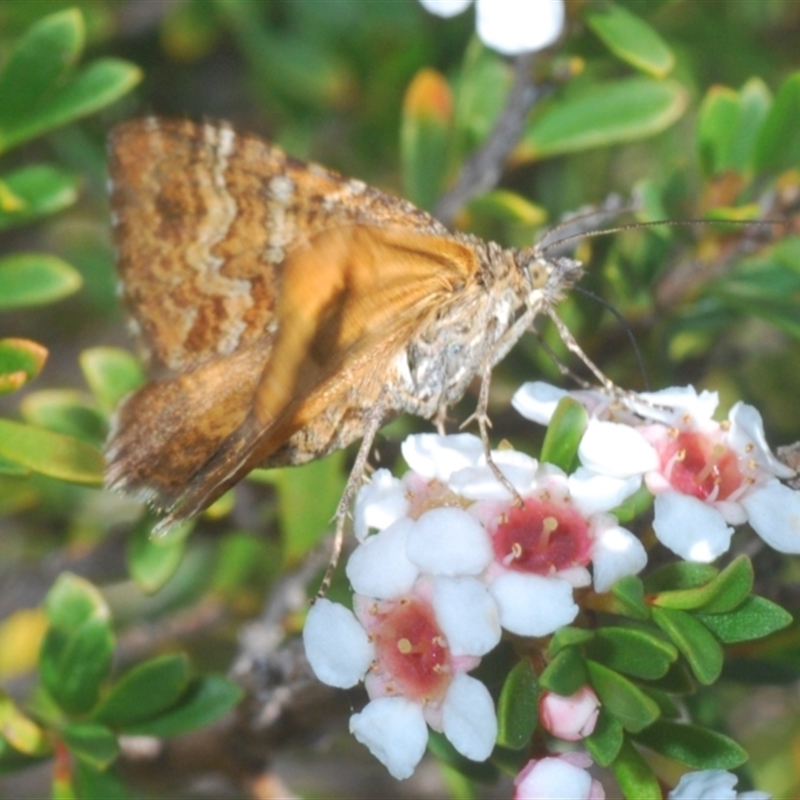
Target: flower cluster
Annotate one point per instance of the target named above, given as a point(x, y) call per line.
point(705, 475)
point(450, 556)
point(455, 557)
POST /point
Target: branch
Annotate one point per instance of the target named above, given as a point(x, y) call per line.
point(483, 168)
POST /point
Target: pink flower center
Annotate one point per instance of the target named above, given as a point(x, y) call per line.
point(412, 650)
point(541, 537)
point(696, 465)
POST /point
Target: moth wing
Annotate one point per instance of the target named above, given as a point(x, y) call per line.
point(350, 300)
point(204, 220)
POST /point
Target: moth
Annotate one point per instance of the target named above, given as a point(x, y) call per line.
point(284, 311)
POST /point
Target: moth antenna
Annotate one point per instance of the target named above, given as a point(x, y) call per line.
point(625, 326)
point(638, 225)
point(611, 206)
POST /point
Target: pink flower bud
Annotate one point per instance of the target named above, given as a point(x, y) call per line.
point(570, 718)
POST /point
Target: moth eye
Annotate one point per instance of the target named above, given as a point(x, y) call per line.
point(538, 273)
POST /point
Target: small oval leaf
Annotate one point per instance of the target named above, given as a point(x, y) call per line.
point(518, 707)
point(51, 454)
point(631, 39)
point(611, 113)
point(21, 360)
point(34, 279)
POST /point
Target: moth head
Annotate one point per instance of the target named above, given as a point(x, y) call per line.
point(547, 278)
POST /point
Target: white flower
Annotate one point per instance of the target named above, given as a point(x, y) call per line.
point(712, 784)
point(509, 26)
point(563, 777)
point(421, 621)
point(706, 475)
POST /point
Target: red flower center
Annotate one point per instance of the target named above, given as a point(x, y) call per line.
point(412, 650)
point(697, 465)
point(542, 537)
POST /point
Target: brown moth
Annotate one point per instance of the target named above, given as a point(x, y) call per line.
point(284, 311)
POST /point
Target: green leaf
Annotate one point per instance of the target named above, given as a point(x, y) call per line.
point(65, 411)
point(145, 691)
point(753, 619)
point(566, 673)
point(697, 645)
point(38, 62)
point(153, 560)
point(93, 88)
point(777, 150)
point(756, 101)
point(21, 360)
point(692, 745)
point(112, 374)
point(679, 575)
point(92, 743)
point(568, 637)
point(507, 206)
point(425, 137)
point(717, 126)
point(629, 594)
point(731, 587)
point(76, 651)
point(725, 591)
point(52, 454)
point(631, 39)
point(207, 700)
point(39, 190)
point(603, 115)
point(637, 652)
point(308, 497)
point(606, 739)
point(95, 784)
point(634, 775)
point(21, 732)
point(445, 753)
point(35, 279)
point(564, 433)
point(518, 706)
point(622, 698)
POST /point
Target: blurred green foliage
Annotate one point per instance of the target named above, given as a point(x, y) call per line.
point(693, 107)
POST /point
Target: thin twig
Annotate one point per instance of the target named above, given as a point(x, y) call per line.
point(483, 168)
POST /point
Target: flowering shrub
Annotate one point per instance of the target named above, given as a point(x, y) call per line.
point(450, 558)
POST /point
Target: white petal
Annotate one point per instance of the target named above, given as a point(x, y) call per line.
point(554, 778)
point(337, 647)
point(511, 26)
point(379, 566)
point(449, 541)
point(380, 503)
point(435, 456)
point(470, 722)
point(480, 483)
point(532, 605)
point(774, 512)
point(537, 401)
point(445, 8)
point(692, 529)
point(616, 552)
point(394, 730)
point(592, 492)
point(746, 436)
point(467, 615)
point(706, 784)
point(670, 405)
point(616, 450)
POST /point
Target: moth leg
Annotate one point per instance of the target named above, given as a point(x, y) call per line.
point(481, 416)
point(574, 347)
point(374, 422)
point(440, 419)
